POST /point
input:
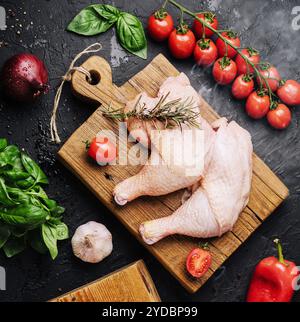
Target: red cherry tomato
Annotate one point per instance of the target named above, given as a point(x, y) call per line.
point(160, 25)
point(279, 117)
point(209, 18)
point(198, 262)
point(272, 75)
point(242, 87)
point(182, 42)
point(254, 57)
point(102, 150)
point(221, 45)
point(258, 105)
point(205, 52)
point(289, 92)
point(224, 71)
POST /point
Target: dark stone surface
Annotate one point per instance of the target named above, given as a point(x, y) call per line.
point(264, 24)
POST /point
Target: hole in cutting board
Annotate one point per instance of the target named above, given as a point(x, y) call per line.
point(95, 77)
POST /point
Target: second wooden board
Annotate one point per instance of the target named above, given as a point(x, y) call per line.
point(267, 191)
point(132, 283)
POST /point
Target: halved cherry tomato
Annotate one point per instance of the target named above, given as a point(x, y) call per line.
point(279, 117)
point(258, 104)
point(205, 52)
point(211, 19)
point(223, 48)
point(254, 57)
point(242, 87)
point(289, 92)
point(198, 262)
point(272, 75)
point(224, 71)
point(160, 25)
point(102, 150)
point(182, 42)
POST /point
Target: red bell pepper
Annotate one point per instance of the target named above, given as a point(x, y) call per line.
point(273, 279)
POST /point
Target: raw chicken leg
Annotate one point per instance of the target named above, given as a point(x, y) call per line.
point(166, 175)
point(224, 192)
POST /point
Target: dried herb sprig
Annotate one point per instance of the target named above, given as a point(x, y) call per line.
point(175, 112)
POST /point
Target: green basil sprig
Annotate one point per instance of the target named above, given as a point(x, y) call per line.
point(27, 215)
point(98, 18)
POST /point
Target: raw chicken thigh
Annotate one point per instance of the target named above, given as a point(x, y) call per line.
point(219, 185)
point(224, 192)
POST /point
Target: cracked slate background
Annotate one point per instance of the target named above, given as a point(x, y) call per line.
point(265, 25)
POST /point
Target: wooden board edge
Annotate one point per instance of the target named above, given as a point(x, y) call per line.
point(140, 266)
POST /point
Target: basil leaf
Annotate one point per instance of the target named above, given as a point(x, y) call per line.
point(3, 144)
point(4, 234)
point(89, 23)
point(57, 211)
point(15, 175)
point(50, 239)
point(8, 155)
point(18, 195)
point(26, 183)
point(50, 204)
point(141, 53)
point(62, 231)
point(14, 246)
point(131, 33)
point(5, 199)
point(25, 216)
point(33, 169)
point(37, 242)
point(107, 12)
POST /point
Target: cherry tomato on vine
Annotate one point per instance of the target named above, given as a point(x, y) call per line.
point(289, 92)
point(253, 56)
point(205, 52)
point(102, 150)
point(224, 71)
point(160, 25)
point(209, 18)
point(182, 42)
point(279, 117)
point(198, 262)
point(258, 104)
point(243, 86)
point(272, 75)
point(232, 37)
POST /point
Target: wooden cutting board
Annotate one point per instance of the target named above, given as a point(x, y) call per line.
point(132, 283)
point(267, 192)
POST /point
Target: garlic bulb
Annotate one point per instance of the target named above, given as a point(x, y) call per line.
point(92, 242)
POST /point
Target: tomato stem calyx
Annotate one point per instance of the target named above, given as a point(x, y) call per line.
point(231, 34)
point(182, 28)
point(225, 62)
point(161, 14)
point(87, 144)
point(204, 43)
point(252, 51)
point(247, 77)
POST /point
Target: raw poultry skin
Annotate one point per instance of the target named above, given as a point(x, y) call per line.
point(219, 190)
point(215, 206)
point(165, 177)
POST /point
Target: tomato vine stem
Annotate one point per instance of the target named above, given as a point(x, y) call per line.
point(261, 77)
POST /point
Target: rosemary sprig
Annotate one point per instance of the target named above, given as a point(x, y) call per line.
point(175, 112)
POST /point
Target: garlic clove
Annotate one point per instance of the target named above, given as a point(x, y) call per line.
point(92, 242)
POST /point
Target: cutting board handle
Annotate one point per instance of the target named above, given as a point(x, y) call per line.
point(101, 89)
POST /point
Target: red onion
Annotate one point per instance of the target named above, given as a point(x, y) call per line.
point(24, 77)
